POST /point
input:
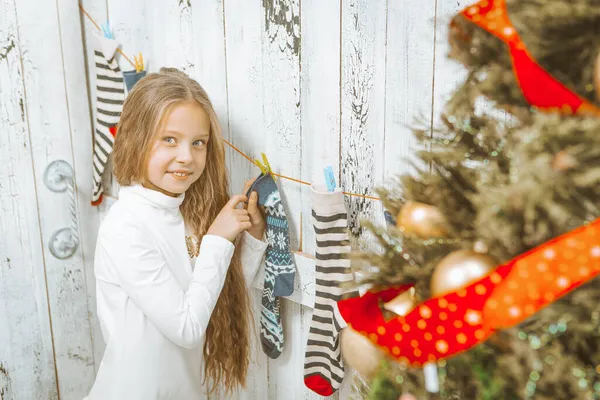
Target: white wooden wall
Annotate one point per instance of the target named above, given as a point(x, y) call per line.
point(308, 82)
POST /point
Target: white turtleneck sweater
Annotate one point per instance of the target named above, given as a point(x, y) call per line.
point(154, 301)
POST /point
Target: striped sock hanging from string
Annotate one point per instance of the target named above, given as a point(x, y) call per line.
point(323, 365)
point(110, 94)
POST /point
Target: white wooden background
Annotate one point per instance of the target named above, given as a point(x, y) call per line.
point(308, 82)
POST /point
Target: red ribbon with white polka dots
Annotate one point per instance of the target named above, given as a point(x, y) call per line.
point(543, 275)
point(539, 87)
point(444, 326)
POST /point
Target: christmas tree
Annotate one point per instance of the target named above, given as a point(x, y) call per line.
point(487, 279)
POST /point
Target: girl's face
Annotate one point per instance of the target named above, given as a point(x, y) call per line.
point(178, 151)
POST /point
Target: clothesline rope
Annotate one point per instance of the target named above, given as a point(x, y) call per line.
point(229, 144)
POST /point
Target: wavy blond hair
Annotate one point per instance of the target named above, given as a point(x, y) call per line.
point(226, 349)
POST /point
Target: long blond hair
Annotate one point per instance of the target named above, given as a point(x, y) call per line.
point(226, 348)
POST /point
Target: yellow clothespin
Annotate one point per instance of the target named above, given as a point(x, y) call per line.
point(139, 62)
point(266, 167)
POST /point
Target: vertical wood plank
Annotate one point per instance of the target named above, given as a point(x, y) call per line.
point(320, 110)
point(285, 372)
point(50, 132)
point(243, 22)
point(363, 130)
point(82, 147)
point(27, 368)
point(281, 103)
point(97, 9)
point(170, 30)
point(320, 100)
point(257, 378)
point(129, 24)
point(363, 90)
point(409, 79)
point(209, 59)
point(448, 73)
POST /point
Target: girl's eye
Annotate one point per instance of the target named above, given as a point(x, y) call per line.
point(169, 139)
point(199, 143)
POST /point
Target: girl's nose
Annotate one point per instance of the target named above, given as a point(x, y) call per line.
point(184, 155)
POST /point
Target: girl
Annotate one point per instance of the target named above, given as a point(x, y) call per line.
point(168, 303)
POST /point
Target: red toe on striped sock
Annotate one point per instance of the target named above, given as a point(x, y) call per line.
point(319, 385)
point(97, 202)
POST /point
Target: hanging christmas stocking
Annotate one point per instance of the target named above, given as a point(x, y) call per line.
point(279, 258)
point(323, 365)
point(110, 94)
point(279, 262)
point(132, 77)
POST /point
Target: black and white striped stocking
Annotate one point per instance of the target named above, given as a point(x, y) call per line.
point(323, 365)
point(110, 95)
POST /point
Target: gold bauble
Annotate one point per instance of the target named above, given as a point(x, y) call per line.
point(402, 304)
point(459, 269)
point(359, 353)
point(421, 220)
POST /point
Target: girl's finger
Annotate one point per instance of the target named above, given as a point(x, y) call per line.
point(241, 211)
point(235, 200)
point(253, 201)
point(248, 184)
point(244, 218)
point(246, 225)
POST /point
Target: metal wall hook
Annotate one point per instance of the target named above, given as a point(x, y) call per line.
point(59, 177)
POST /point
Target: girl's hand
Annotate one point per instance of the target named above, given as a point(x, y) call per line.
point(255, 212)
point(231, 221)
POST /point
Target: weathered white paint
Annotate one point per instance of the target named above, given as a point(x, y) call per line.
point(26, 353)
point(448, 73)
point(409, 68)
point(309, 83)
point(364, 24)
point(46, 87)
point(320, 118)
point(80, 123)
point(243, 45)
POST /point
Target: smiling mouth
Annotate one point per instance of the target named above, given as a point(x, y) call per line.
point(180, 175)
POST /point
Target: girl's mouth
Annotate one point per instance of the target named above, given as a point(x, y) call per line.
point(180, 175)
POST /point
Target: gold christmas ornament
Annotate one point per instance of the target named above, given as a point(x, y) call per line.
point(359, 353)
point(459, 269)
point(421, 220)
point(403, 303)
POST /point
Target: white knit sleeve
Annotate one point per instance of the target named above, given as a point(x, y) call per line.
point(142, 272)
point(253, 251)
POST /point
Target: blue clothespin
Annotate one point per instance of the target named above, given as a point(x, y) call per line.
point(106, 30)
point(329, 178)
